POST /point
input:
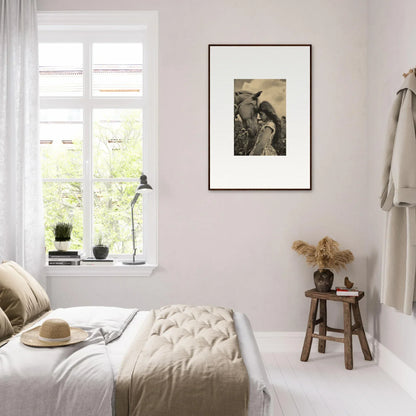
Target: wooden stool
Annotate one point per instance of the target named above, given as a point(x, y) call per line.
point(348, 331)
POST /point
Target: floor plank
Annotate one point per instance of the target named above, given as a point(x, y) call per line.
point(312, 385)
point(269, 363)
point(282, 391)
point(322, 386)
point(298, 392)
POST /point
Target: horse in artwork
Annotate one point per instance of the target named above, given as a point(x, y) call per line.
point(246, 107)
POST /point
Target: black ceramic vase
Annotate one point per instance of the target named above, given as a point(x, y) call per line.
point(323, 280)
point(100, 252)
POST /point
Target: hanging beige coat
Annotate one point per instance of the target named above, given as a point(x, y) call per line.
point(399, 200)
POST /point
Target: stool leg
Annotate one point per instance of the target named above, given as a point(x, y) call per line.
point(322, 325)
point(309, 330)
point(360, 331)
point(347, 336)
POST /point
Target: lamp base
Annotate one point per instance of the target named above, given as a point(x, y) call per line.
point(132, 263)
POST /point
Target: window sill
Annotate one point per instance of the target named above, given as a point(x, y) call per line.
point(116, 269)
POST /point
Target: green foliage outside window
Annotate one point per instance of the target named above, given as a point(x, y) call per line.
point(117, 153)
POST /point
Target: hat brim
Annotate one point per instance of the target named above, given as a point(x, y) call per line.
point(31, 338)
point(4, 342)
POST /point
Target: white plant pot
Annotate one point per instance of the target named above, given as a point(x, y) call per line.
point(62, 245)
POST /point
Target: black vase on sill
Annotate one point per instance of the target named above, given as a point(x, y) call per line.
point(323, 280)
point(100, 252)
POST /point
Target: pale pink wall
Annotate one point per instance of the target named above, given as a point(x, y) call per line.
point(233, 248)
point(391, 51)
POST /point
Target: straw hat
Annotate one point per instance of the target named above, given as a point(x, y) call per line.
point(53, 333)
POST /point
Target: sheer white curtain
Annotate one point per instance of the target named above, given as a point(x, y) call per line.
point(21, 212)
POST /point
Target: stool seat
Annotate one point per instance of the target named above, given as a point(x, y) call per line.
point(349, 302)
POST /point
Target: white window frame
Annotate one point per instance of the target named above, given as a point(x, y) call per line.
point(114, 26)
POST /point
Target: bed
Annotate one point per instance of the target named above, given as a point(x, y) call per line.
point(83, 378)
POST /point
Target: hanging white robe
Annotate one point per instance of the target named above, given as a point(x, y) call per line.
point(399, 200)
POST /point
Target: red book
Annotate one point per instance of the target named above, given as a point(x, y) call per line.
point(344, 291)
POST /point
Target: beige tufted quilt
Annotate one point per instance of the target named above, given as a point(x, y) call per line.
point(185, 361)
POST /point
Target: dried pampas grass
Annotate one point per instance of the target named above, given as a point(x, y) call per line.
point(326, 255)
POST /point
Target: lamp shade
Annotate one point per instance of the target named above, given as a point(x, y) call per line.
point(144, 186)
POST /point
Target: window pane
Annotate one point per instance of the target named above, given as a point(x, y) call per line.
point(63, 203)
point(117, 69)
point(112, 216)
point(117, 143)
point(61, 143)
point(60, 69)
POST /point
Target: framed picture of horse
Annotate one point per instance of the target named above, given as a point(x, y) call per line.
point(260, 117)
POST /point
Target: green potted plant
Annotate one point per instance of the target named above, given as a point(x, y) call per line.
point(62, 231)
point(326, 255)
point(100, 250)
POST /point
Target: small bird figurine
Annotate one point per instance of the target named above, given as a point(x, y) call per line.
point(347, 283)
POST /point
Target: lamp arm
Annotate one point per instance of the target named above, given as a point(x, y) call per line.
point(132, 232)
point(144, 186)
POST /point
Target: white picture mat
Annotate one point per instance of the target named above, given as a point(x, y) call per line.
point(260, 172)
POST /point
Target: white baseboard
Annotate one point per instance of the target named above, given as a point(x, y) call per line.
point(399, 371)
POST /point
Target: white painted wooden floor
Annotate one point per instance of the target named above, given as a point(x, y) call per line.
point(322, 386)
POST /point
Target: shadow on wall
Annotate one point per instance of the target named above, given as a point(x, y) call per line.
point(374, 298)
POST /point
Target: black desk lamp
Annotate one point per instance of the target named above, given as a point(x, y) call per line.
point(142, 188)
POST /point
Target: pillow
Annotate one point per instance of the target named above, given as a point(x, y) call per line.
point(21, 297)
point(6, 329)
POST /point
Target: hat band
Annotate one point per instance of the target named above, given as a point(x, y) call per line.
point(54, 339)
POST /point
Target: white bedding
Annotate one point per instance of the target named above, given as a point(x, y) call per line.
point(81, 377)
